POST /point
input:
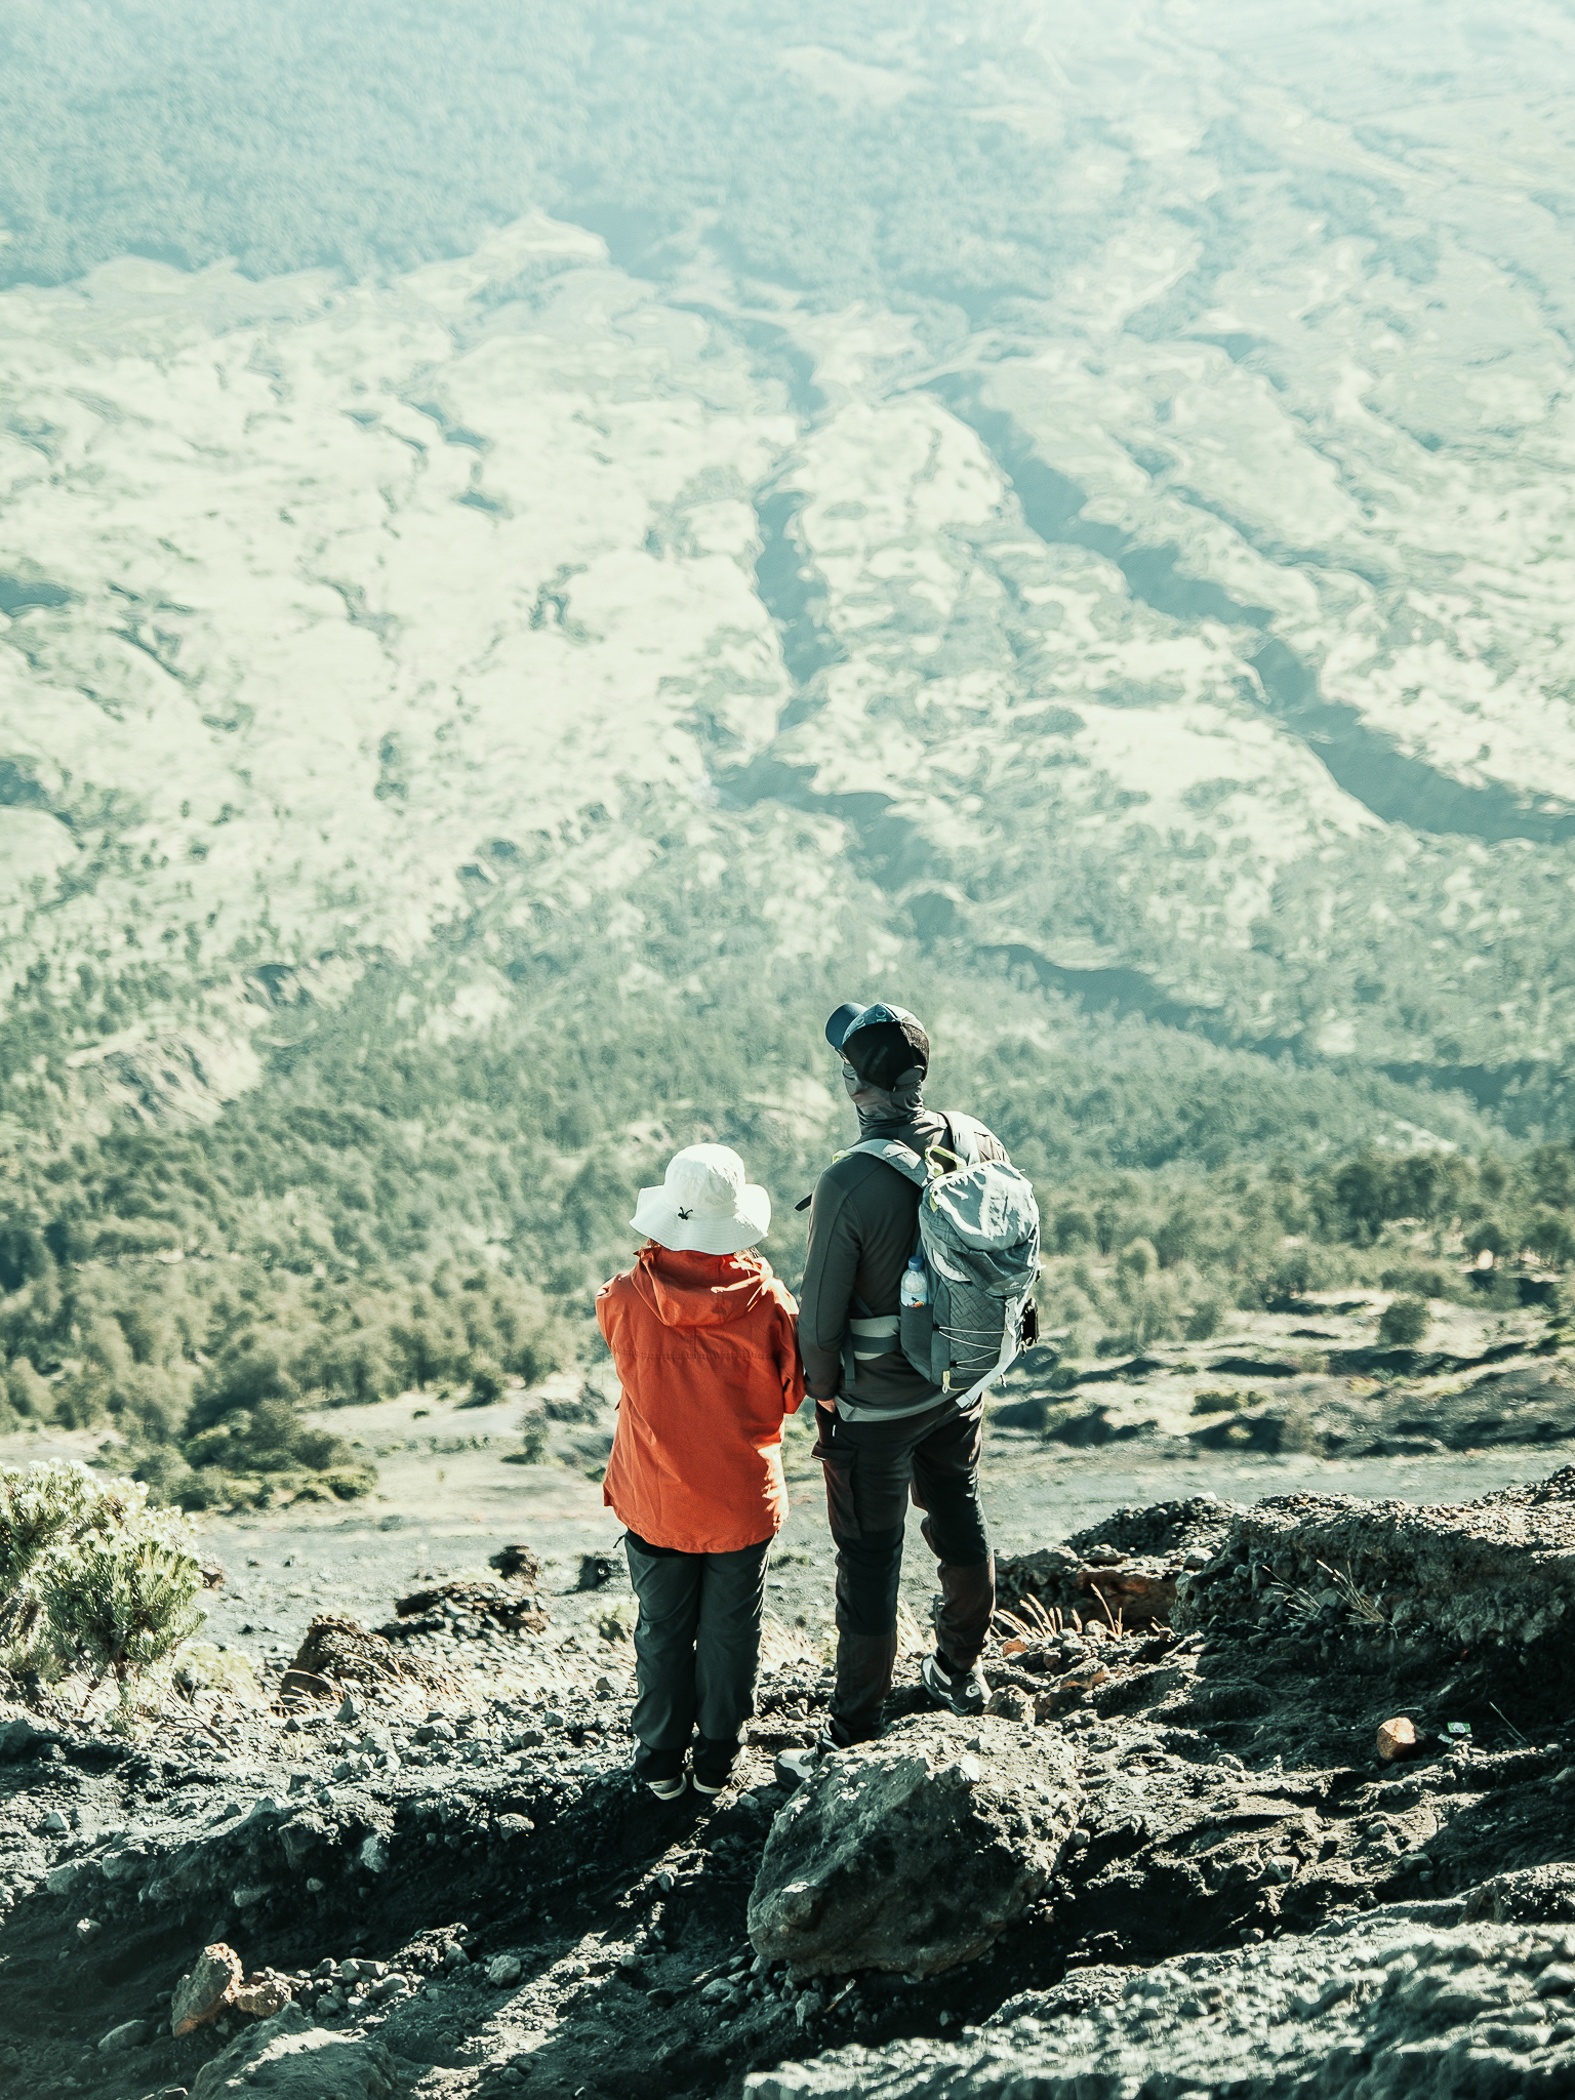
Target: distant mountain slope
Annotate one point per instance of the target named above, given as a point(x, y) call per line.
point(1109, 466)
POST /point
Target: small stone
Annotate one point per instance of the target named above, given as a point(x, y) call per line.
point(130, 2034)
point(203, 1994)
point(87, 1928)
point(349, 1710)
point(268, 1995)
point(1396, 1738)
point(55, 1822)
point(503, 1970)
point(314, 1887)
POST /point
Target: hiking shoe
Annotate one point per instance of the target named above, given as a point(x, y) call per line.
point(667, 1789)
point(709, 1783)
point(793, 1767)
point(963, 1692)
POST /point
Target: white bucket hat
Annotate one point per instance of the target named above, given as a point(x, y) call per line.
point(704, 1205)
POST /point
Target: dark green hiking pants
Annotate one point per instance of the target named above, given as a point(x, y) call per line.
point(872, 1471)
point(696, 1649)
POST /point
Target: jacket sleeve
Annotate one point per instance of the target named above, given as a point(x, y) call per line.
point(788, 1363)
point(830, 1264)
point(607, 1314)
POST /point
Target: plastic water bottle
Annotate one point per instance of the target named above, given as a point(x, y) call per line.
point(915, 1282)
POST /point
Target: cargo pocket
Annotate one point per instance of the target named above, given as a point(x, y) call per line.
point(837, 1463)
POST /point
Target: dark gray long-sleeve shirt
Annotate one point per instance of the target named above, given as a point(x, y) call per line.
point(862, 1226)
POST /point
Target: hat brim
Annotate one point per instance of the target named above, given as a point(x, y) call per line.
point(658, 1216)
point(842, 1020)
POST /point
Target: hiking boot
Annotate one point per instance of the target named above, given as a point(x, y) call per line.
point(711, 1764)
point(962, 1691)
point(667, 1789)
point(793, 1767)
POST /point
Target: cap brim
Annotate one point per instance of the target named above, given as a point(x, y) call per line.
point(841, 1021)
point(657, 1216)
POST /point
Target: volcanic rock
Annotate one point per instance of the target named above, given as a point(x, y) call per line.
point(1128, 1564)
point(1499, 1570)
point(913, 1853)
point(1378, 2008)
point(339, 1651)
point(488, 1603)
point(1543, 1895)
point(1396, 1738)
point(130, 2034)
point(517, 1564)
point(202, 1994)
point(287, 2058)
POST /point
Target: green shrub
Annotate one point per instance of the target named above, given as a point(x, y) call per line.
point(116, 1606)
point(486, 1383)
point(1551, 1237)
point(1420, 1280)
point(91, 1579)
point(1403, 1323)
point(1203, 1322)
point(29, 1394)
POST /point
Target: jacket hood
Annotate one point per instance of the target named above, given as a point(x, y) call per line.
point(699, 1290)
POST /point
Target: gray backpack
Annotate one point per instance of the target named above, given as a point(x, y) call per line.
point(979, 1240)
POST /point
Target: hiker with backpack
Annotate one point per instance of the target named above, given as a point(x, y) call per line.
point(701, 1334)
point(923, 1249)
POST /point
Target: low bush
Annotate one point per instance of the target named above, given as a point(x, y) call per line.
point(93, 1583)
point(1403, 1324)
point(1219, 1402)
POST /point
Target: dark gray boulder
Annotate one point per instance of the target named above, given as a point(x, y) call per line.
point(288, 2058)
point(913, 1853)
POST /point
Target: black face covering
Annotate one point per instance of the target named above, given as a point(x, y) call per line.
point(881, 1105)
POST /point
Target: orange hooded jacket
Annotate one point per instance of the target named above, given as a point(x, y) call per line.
point(707, 1356)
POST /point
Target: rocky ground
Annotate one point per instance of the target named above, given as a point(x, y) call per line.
point(1172, 1844)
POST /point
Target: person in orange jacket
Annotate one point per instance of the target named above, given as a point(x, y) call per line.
point(703, 1338)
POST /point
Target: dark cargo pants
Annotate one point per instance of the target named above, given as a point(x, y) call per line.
point(871, 1470)
point(696, 1651)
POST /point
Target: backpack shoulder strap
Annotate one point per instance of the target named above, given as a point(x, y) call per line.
point(902, 1157)
point(962, 1133)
